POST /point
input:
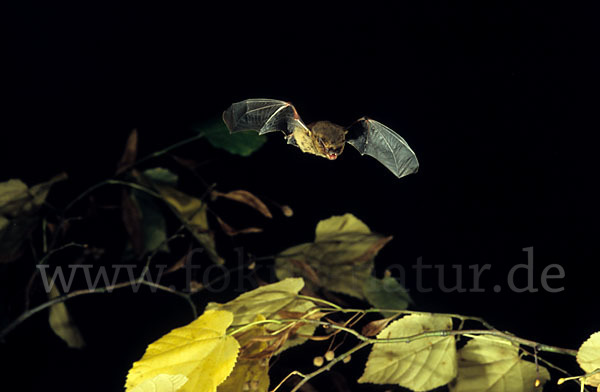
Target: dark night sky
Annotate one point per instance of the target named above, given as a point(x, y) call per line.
point(498, 102)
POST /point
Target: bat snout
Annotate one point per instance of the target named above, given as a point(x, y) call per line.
point(332, 155)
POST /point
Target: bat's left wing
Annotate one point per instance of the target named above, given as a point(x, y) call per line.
point(263, 116)
point(375, 139)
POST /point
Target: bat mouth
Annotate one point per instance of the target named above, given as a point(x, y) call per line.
point(331, 156)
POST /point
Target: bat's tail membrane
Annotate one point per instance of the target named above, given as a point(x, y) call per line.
point(377, 140)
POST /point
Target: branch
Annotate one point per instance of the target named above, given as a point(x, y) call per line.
point(107, 289)
point(368, 341)
point(441, 333)
point(140, 280)
point(306, 377)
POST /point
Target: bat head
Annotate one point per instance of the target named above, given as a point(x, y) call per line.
point(329, 138)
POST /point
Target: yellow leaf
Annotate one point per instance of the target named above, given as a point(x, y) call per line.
point(421, 364)
point(340, 259)
point(249, 374)
point(266, 300)
point(493, 364)
point(335, 225)
point(200, 351)
point(588, 358)
point(61, 322)
point(162, 383)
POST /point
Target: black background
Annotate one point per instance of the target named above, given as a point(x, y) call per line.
point(498, 101)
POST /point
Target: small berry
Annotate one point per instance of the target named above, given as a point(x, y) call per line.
point(318, 361)
point(329, 355)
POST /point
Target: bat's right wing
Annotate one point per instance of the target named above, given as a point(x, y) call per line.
point(262, 115)
point(375, 139)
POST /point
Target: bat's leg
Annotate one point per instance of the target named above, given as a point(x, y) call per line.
point(291, 140)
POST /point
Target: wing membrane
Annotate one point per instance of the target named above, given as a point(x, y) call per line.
point(375, 139)
point(262, 115)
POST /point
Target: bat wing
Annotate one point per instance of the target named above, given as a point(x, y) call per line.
point(375, 139)
point(262, 115)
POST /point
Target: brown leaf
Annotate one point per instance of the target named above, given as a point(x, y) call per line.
point(179, 264)
point(287, 314)
point(187, 163)
point(245, 197)
point(195, 286)
point(132, 219)
point(230, 231)
point(307, 271)
point(376, 326)
point(130, 153)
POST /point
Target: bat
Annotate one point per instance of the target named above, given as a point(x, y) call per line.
point(323, 138)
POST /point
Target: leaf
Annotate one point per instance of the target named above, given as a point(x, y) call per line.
point(17, 199)
point(376, 326)
point(266, 300)
point(493, 364)
point(129, 154)
point(588, 357)
point(200, 351)
point(13, 196)
point(420, 364)
point(19, 205)
point(230, 231)
point(144, 222)
point(340, 259)
point(238, 143)
point(335, 225)
point(249, 374)
point(162, 175)
point(245, 197)
point(190, 210)
point(386, 293)
point(301, 307)
point(61, 322)
point(162, 383)
point(154, 225)
point(132, 220)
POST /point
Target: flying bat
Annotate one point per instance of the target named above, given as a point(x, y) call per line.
point(323, 138)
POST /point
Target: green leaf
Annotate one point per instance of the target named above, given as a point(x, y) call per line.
point(161, 175)
point(340, 259)
point(420, 364)
point(239, 143)
point(266, 300)
point(200, 351)
point(386, 293)
point(493, 364)
point(154, 225)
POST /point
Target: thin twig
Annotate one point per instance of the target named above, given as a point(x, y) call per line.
point(327, 367)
